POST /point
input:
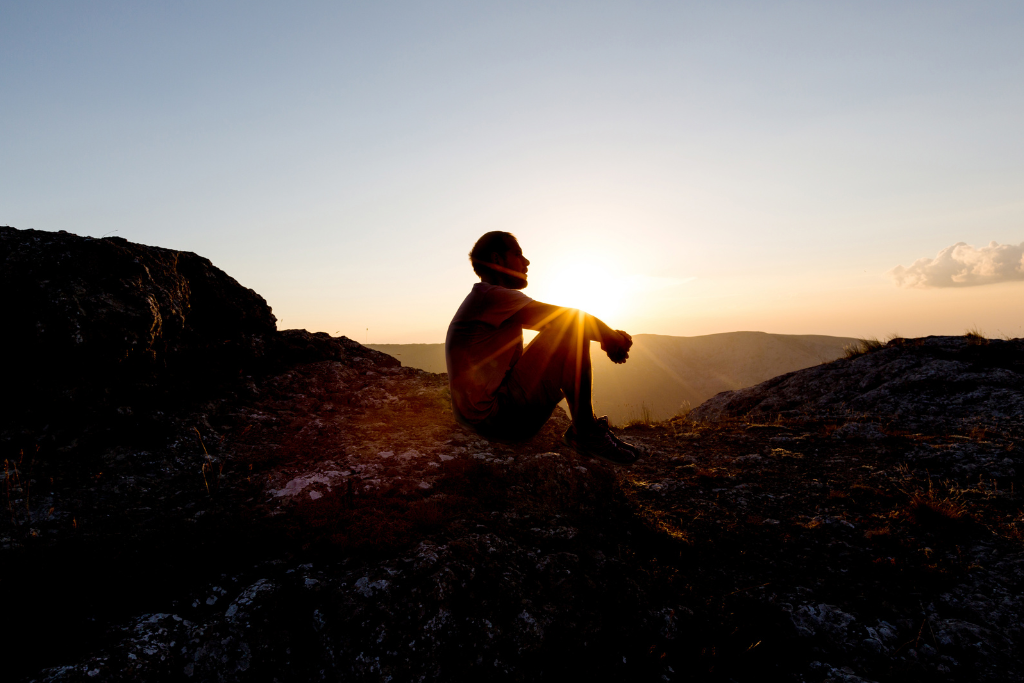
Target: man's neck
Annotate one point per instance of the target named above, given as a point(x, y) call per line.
point(507, 283)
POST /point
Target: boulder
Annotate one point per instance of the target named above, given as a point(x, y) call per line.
point(926, 381)
point(94, 324)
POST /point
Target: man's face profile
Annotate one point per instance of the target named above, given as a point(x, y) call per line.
point(512, 265)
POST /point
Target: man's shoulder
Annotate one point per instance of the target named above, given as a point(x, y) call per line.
point(490, 304)
point(497, 292)
point(484, 294)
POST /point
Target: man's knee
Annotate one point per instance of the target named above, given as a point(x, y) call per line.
point(564, 332)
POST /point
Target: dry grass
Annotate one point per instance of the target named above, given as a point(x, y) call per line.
point(928, 511)
point(895, 339)
point(710, 474)
point(870, 344)
point(974, 335)
point(17, 478)
point(1014, 529)
point(862, 347)
point(640, 417)
point(684, 410)
point(937, 508)
point(978, 433)
point(934, 505)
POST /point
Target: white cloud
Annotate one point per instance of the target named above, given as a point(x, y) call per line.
point(961, 265)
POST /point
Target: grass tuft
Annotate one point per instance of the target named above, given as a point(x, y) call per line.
point(929, 511)
point(895, 339)
point(640, 417)
point(862, 347)
point(932, 508)
point(974, 335)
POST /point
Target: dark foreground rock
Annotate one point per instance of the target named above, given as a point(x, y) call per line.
point(92, 324)
point(106, 332)
point(343, 527)
point(326, 519)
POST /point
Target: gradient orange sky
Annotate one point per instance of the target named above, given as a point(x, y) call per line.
point(704, 167)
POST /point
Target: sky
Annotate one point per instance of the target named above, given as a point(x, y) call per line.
point(852, 169)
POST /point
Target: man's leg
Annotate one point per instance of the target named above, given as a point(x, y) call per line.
point(557, 364)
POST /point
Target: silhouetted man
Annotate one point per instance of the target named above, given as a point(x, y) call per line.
point(506, 393)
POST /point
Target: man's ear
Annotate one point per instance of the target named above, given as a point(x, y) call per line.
point(496, 258)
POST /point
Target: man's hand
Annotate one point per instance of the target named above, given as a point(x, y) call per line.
point(617, 346)
point(536, 315)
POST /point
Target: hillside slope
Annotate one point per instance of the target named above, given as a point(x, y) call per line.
point(429, 357)
point(664, 373)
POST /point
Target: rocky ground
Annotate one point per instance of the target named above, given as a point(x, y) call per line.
point(924, 383)
point(193, 495)
point(330, 521)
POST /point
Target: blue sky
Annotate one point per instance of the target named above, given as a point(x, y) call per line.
point(702, 167)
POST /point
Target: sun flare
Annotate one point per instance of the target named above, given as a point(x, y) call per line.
point(601, 284)
point(592, 287)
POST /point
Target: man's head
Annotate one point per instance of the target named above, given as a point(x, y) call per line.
point(498, 259)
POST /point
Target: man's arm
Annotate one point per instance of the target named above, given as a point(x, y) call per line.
point(536, 316)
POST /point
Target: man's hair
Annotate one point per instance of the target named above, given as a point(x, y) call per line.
point(492, 242)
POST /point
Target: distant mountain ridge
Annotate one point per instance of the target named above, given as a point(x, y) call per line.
point(666, 373)
point(429, 357)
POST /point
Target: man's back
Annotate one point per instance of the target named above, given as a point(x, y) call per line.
point(481, 346)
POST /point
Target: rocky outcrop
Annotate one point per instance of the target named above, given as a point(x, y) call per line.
point(106, 328)
point(924, 381)
point(94, 323)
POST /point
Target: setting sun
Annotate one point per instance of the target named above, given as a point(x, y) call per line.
point(592, 287)
point(600, 285)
